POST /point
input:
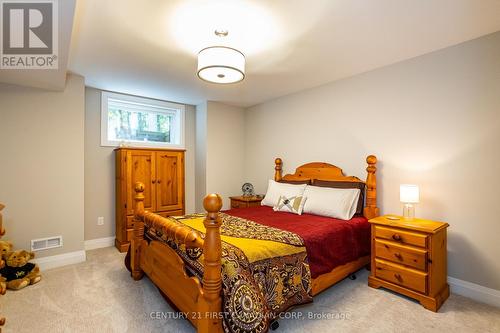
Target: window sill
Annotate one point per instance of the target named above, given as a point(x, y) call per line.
point(148, 145)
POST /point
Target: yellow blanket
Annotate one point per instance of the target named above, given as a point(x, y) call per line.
point(254, 249)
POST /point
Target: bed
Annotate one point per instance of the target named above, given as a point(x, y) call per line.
point(237, 270)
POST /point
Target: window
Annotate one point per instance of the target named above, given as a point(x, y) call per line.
point(140, 122)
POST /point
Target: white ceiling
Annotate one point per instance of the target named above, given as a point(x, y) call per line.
point(149, 47)
point(53, 79)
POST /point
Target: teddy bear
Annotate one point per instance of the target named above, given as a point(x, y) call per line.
point(5, 247)
point(18, 272)
point(3, 286)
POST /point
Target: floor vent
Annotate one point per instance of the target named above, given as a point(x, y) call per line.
point(46, 243)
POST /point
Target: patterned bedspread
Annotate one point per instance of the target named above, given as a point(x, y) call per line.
point(264, 269)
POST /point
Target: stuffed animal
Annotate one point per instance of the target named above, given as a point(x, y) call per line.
point(18, 272)
point(5, 247)
point(3, 286)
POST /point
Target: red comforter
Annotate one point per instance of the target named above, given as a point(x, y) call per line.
point(329, 242)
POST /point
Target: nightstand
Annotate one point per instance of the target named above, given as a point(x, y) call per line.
point(244, 202)
point(409, 257)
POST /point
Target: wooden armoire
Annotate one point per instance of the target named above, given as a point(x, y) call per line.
point(161, 171)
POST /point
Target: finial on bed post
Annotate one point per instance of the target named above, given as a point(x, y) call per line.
point(278, 169)
point(371, 210)
point(138, 235)
point(212, 279)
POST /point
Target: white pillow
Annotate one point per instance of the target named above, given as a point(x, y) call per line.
point(275, 190)
point(340, 203)
point(291, 205)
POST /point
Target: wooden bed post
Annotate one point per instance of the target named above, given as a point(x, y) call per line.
point(138, 235)
point(2, 230)
point(278, 173)
point(211, 308)
point(3, 285)
point(371, 210)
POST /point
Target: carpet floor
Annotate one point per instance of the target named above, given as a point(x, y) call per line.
point(99, 296)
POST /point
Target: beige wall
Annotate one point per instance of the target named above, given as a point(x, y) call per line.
point(433, 121)
point(100, 169)
point(99, 172)
point(225, 150)
point(41, 169)
point(190, 139)
point(220, 151)
point(201, 155)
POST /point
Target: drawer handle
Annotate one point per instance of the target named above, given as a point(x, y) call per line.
point(398, 277)
point(396, 237)
point(398, 255)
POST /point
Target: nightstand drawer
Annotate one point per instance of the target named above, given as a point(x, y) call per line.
point(406, 277)
point(130, 221)
point(403, 237)
point(244, 202)
point(238, 204)
point(401, 254)
point(254, 204)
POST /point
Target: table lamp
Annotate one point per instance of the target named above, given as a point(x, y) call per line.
point(409, 195)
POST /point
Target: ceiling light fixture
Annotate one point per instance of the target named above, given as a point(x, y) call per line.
point(221, 32)
point(221, 64)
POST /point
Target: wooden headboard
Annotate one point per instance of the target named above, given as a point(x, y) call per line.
point(325, 171)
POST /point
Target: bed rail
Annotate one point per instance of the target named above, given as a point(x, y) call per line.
point(200, 302)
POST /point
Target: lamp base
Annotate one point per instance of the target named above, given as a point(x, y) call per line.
point(409, 211)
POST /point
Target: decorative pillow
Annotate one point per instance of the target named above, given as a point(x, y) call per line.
point(338, 203)
point(275, 190)
point(291, 205)
point(344, 184)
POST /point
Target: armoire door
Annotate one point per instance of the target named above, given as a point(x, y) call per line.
point(141, 165)
point(170, 180)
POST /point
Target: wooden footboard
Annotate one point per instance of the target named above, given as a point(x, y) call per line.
point(200, 301)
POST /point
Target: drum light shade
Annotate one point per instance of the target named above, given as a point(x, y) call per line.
point(409, 193)
point(221, 64)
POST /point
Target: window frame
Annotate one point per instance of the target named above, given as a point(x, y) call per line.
point(179, 108)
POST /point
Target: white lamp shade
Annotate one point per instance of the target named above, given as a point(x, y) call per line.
point(221, 64)
point(409, 193)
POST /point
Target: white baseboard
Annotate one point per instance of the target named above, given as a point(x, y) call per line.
point(474, 291)
point(60, 260)
point(98, 243)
